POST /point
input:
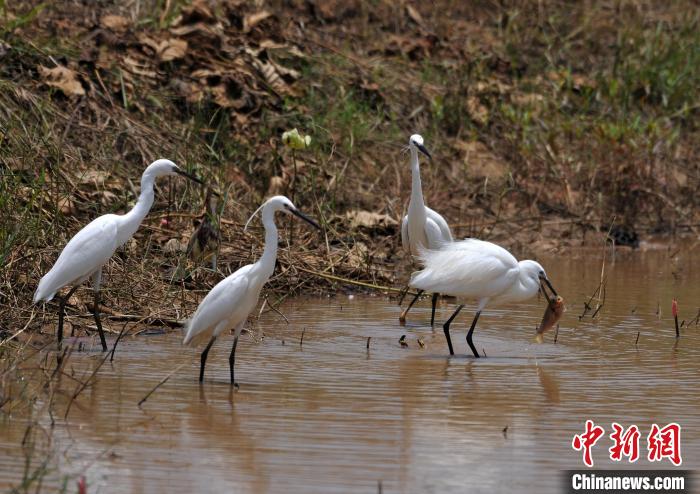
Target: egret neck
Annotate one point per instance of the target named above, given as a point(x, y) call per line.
point(267, 261)
point(416, 207)
point(130, 222)
point(416, 203)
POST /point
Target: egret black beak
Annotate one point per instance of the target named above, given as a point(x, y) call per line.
point(191, 177)
point(545, 281)
point(298, 213)
point(422, 149)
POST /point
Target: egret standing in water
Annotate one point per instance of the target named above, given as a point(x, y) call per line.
point(421, 227)
point(474, 269)
point(229, 303)
point(91, 248)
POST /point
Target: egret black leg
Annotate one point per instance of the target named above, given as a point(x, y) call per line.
point(469, 334)
point(62, 313)
point(232, 359)
point(446, 328)
point(98, 322)
point(402, 317)
point(432, 314)
point(203, 359)
point(403, 295)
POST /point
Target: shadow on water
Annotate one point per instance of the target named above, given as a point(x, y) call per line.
point(333, 416)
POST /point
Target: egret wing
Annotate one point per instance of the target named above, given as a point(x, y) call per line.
point(445, 233)
point(469, 268)
point(84, 254)
point(434, 235)
point(223, 303)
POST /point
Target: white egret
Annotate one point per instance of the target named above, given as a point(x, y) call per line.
point(91, 248)
point(229, 303)
point(421, 227)
point(474, 269)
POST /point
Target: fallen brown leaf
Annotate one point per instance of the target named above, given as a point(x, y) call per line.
point(172, 49)
point(251, 20)
point(414, 14)
point(115, 23)
point(369, 219)
point(66, 206)
point(62, 78)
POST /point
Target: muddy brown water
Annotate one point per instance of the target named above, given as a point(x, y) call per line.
point(331, 416)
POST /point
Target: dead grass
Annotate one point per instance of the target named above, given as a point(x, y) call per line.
point(555, 117)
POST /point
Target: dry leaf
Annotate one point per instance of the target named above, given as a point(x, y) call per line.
point(149, 42)
point(62, 78)
point(250, 21)
point(286, 71)
point(139, 68)
point(269, 72)
point(66, 206)
point(368, 219)
point(211, 32)
point(205, 73)
point(174, 246)
point(115, 23)
point(414, 14)
point(222, 98)
point(172, 49)
point(199, 10)
point(477, 111)
point(95, 177)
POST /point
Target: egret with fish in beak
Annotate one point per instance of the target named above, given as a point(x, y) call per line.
point(474, 269)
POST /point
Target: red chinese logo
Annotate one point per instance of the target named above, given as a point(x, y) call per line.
point(587, 440)
point(626, 444)
point(661, 442)
point(665, 443)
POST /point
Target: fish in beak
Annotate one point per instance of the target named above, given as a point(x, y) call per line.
point(552, 314)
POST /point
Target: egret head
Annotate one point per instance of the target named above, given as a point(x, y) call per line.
point(163, 167)
point(281, 203)
point(415, 142)
point(534, 271)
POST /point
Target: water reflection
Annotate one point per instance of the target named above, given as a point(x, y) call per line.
point(333, 416)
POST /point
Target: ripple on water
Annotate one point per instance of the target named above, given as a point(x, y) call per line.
point(332, 416)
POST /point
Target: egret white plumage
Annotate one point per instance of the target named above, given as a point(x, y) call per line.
point(90, 248)
point(229, 303)
point(475, 269)
point(421, 227)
